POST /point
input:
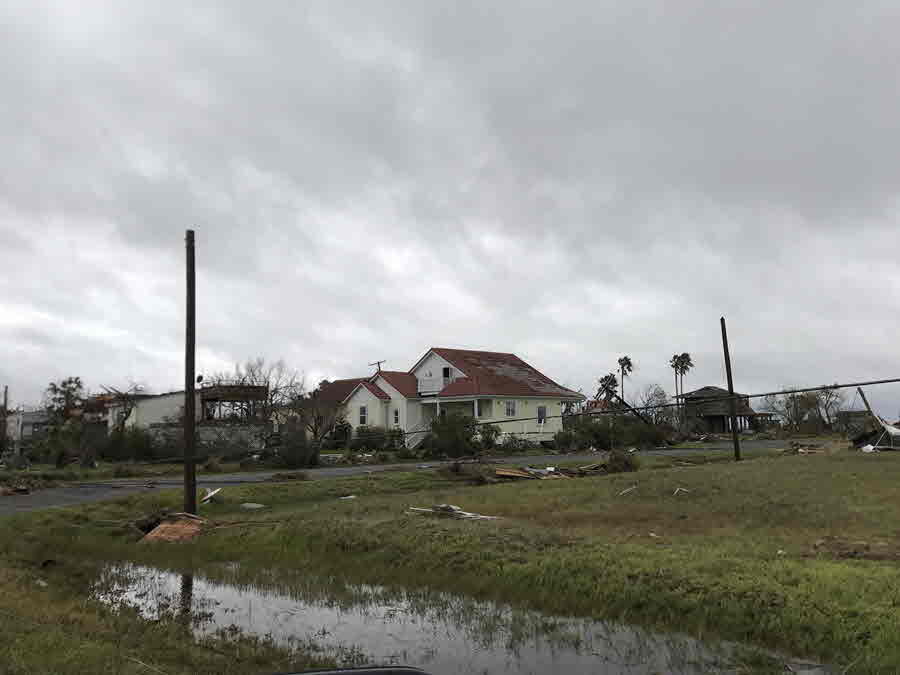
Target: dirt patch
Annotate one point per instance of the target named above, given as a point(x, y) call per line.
point(836, 547)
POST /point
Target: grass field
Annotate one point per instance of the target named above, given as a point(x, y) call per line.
point(797, 553)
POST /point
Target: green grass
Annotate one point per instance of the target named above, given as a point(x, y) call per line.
point(54, 629)
point(755, 551)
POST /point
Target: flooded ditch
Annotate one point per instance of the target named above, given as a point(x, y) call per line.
point(441, 633)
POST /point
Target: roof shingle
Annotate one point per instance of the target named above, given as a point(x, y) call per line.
point(497, 374)
point(405, 383)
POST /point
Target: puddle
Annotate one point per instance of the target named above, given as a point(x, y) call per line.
point(441, 633)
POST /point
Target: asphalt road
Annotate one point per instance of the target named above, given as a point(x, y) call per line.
point(81, 493)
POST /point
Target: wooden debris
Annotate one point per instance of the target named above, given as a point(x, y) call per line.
point(627, 490)
point(176, 527)
point(452, 511)
point(209, 495)
point(513, 473)
point(679, 490)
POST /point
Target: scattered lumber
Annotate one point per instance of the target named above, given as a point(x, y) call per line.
point(513, 473)
point(451, 511)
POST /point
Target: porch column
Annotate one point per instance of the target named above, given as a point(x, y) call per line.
point(475, 408)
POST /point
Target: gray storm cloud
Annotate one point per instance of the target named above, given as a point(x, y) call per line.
point(571, 183)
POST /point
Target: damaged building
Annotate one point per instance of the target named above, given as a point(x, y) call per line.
point(708, 409)
point(224, 411)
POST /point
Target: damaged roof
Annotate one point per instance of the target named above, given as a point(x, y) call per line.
point(497, 374)
point(405, 383)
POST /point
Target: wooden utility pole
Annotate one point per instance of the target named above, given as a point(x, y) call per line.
point(732, 404)
point(3, 413)
point(190, 341)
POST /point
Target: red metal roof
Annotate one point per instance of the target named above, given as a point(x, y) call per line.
point(497, 374)
point(405, 383)
point(375, 389)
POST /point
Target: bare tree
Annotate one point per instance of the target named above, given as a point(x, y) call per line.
point(793, 408)
point(123, 402)
point(283, 387)
point(655, 395)
point(317, 412)
point(830, 402)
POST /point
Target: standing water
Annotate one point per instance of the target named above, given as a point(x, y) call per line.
point(441, 633)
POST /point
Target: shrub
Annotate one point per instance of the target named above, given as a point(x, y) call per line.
point(395, 439)
point(621, 462)
point(407, 453)
point(564, 440)
point(643, 435)
point(130, 444)
point(453, 436)
point(368, 438)
point(339, 437)
point(125, 471)
point(513, 445)
point(297, 452)
point(212, 466)
point(488, 435)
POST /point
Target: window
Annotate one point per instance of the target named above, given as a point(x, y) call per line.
point(510, 408)
point(363, 414)
point(396, 416)
point(447, 372)
point(542, 414)
point(484, 407)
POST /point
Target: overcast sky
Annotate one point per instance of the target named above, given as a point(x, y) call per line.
point(567, 181)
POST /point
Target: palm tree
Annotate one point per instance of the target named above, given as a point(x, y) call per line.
point(625, 368)
point(608, 385)
point(675, 365)
point(685, 365)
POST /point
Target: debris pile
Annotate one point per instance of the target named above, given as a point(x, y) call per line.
point(797, 448)
point(14, 490)
point(451, 511)
point(176, 527)
point(611, 463)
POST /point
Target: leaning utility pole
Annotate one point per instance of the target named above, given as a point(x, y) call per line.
point(190, 340)
point(732, 405)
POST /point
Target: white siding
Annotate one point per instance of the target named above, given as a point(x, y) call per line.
point(398, 403)
point(158, 410)
point(429, 373)
point(413, 414)
point(524, 408)
point(375, 408)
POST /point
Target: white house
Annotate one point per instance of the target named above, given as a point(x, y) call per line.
point(150, 410)
point(490, 386)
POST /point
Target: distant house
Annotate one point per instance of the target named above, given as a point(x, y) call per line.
point(494, 387)
point(26, 426)
point(708, 407)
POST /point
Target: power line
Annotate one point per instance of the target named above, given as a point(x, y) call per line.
point(659, 406)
